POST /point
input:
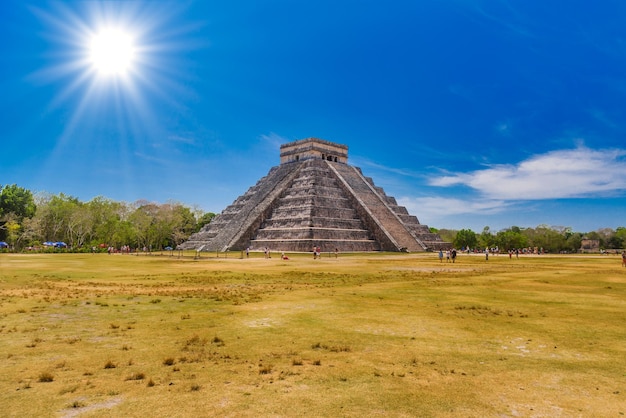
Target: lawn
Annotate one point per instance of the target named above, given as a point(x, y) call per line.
point(358, 335)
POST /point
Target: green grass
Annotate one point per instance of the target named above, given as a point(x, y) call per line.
point(361, 335)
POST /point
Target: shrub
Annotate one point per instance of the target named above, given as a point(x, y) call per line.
point(267, 369)
point(136, 376)
point(46, 377)
point(109, 365)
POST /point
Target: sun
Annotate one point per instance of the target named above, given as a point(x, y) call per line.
point(112, 52)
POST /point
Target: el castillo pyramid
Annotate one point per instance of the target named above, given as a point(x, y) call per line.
point(314, 198)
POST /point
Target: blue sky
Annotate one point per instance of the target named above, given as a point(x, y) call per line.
point(470, 113)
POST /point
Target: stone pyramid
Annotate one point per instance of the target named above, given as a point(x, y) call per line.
point(315, 199)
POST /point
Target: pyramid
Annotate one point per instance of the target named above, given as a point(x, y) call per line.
point(314, 198)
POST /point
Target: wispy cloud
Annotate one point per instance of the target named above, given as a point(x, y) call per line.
point(274, 140)
point(435, 207)
point(182, 139)
point(579, 172)
point(512, 22)
point(364, 162)
point(153, 159)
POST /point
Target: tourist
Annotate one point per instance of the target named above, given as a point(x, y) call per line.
point(441, 256)
point(624, 258)
point(453, 255)
point(486, 254)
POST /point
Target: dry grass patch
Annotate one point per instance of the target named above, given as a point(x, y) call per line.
point(397, 335)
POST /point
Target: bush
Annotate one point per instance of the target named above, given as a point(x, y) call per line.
point(46, 377)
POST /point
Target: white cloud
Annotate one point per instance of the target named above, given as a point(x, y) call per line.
point(579, 172)
point(438, 207)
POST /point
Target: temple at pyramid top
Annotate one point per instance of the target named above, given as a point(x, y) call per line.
point(315, 199)
point(313, 148)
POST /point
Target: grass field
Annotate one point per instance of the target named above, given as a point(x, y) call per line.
point(358, 335)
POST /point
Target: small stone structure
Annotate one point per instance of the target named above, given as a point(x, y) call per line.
point(315, 199)
point(589, 245)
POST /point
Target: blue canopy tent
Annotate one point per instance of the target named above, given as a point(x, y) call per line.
point(4, 244)
point(56, 244)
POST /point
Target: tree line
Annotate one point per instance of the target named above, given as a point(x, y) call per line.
point(552, 239)
point(28, 220)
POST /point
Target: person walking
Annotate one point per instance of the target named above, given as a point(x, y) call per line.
point(623, 258)
point(441, 256)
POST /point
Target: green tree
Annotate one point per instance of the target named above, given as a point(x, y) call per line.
point(465, 238)
point(573, 242)
point(17, 200)
point(108, 217)
point(620, 233)
point(549, 239)
point(486, 239)
point(509, 239)
point(16, 204)
point(143, 220)
point(13, 232)
point(185, 224)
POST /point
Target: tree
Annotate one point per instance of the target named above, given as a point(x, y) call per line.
point(486, 238)
point(13, 232)
point(509, 239)
point(620, 233)
point(55, 214)
point(573, 242)
point(142, 220)
point(546, 238)
point(465, 238)
point(185, 224)
point(17, 200)
point(108, 218)
point(16, 204)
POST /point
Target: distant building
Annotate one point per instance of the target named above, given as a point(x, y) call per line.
point(314, 199)
point(589, 245)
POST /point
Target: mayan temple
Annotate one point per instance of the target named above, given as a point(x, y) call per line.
point(314, 198)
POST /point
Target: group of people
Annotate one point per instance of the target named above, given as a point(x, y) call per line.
point(450, 256)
